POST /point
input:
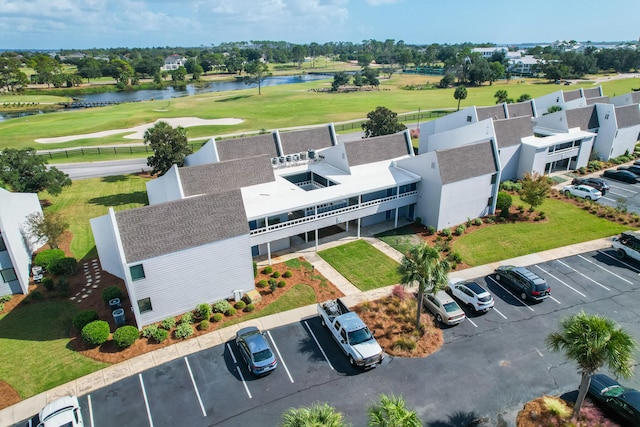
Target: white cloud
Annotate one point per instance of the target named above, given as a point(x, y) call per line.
point(381, 2)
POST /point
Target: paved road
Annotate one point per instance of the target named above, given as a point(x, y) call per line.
point(487, 368)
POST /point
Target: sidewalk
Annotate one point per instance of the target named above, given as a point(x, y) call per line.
point(87, 384)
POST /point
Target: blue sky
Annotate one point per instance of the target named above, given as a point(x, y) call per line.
point(68, 24)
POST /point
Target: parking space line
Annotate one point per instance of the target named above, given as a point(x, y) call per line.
point(498, 311)
point(231, 353)
point(620, 261)
point(555, 299)
point(583, 275)
point(280, 356)
point(244, 383)
point(610, 272)
point(509, 292)
point(90, 410)
point(567, 285)
point(146, 401)
point(471, 322)
point(193, 381)
point(318, 344)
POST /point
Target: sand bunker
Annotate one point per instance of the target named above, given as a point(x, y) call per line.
point(138, 131)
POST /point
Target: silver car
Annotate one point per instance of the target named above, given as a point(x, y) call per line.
point(470, 293)
point(583, 191)
point(444, 308)
point(62, 412)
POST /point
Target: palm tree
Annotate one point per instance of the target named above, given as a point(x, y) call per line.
point(422, 264)
point(460, 94)
point(592, 341)
point(318, 415)
point(392, 411)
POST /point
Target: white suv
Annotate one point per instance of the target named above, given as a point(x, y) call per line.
point(470, 293)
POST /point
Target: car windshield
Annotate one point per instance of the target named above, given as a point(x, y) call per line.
point(451, 306)
point(485, 298)
point(540, 287)
point(262, 355)
point(359, 336)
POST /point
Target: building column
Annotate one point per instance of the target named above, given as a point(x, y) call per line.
point(395, 224)
point(269, 252)
point(316, 240)
point(359, 227)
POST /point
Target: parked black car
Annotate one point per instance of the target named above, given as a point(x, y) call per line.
point(621, 402)
point(597, 183)
point(633, 169)
point(624, 176)
point(525, 282)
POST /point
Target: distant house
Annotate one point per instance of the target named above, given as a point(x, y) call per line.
point(16, 248)
point(173, 62)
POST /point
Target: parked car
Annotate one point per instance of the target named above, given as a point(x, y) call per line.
point(624, 176)
point(256, 351)
point(583, 191)
point(622, 402)
point(597, 183)
point(525, 282)
point(470, 293)
point(62, 412)
point(444, 308)
point(633, 169)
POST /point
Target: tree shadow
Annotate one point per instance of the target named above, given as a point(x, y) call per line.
point(461, 419)
point(137, 197)
point(233, 98)
point(115, 178)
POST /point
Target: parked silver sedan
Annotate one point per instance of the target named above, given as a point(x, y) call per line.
point(583, 191)
point(470, 293)
point(444, 308)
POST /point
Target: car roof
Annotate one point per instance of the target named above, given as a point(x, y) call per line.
point(632, 397)
point(443, 297)
point(255, 340)
point(474, 287)
point(65, 402)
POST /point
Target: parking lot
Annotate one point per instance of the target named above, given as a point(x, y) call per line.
point(489, 366)
point(623, 191)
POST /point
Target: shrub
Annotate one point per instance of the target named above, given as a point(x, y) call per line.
point(125, 336)
point(273, 284)
point(187, 318)
point(477, 221)
point(287, 274)
point(43, 258)
point(221, 306)
point(204, 325)
point(230, 312)
point(96, 332)
point(405, 343)
point(239, 305)
point(216, 317)
point(282, 284)
point(149, 331)
point(83, 318)
point(255, 269)
point(48, 284)
point(183, 331)
point(63, 266)
point(267, 270)
point(247, 299)
point(249, 308)
point(510, 186)
point(399, 291)
point(418, 221)
point(469, 222)
point(460, 230)
point(446, 232)
point(489, 220)
point(431, 230)
point(110, 293)
point(262, 284)
point(160, 335)
point(204, 310)
point(36, 295)
point(168, 323)
point(1, 306)
point(275, 274)
point(6, 298)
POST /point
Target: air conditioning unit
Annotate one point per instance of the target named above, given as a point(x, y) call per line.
point(303, 155)
point(312, 154)
point(289, 158)
point(274, 161)
point(281, 160)
point(296, 157)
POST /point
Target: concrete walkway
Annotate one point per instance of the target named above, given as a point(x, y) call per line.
point(87, 384)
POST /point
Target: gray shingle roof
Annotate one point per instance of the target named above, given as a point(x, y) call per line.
point(165, 228)
point(520, 109)
point(598, 99)
point(627, 116)
point(495, 112)
point(510, 132)
point(376, 149)
point(585, 118)
point(239, 148)
point(467, 161)
point(592, 93)
point(571, 95)
point(225, 176)
point(304, 140)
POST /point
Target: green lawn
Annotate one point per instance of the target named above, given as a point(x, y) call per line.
point(363, 265)
point(567, 224)
point(34, 348)
point(90, 198)
point(278, 107)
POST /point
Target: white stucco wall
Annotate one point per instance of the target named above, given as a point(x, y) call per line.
point(444, 124)
point(107, 244)
point(543, 103)
point(206, 154)
point(604, 141)
point(509, 159)
point(472, 133)
point(165, 188)
point(178, 282)
point(464, 199)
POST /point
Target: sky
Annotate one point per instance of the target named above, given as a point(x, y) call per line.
point(84, 24)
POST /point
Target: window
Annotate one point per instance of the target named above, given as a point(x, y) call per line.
point(494, 178)
point(144, 305)
point(8, 275)
point(137, 272)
